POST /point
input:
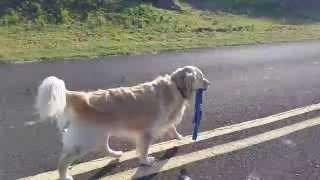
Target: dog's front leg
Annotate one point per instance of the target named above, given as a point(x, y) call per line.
point(143, 144)
point(173, 133)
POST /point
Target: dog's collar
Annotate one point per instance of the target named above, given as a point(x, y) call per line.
point(182, 93)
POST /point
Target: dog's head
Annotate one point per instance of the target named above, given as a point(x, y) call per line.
point(188, 79)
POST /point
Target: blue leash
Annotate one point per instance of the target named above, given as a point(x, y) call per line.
point(197, 113)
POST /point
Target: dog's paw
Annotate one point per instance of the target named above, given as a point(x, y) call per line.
point(116, 154)
point(179, 137)
point(149, 161)
point(68, 177)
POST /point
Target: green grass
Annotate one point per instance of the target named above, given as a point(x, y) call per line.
point(144, 29)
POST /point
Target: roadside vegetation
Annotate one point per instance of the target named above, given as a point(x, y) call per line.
point(61, 29)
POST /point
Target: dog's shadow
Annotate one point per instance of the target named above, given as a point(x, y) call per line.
point(105, 170)
point(162, 160)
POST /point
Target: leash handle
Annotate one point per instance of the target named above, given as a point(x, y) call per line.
point(197, 113)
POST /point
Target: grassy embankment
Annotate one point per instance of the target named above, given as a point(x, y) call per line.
point(132, 28)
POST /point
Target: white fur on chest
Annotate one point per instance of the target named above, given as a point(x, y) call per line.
point(168, 116)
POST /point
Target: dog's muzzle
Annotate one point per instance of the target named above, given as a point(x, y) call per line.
point(206, 84)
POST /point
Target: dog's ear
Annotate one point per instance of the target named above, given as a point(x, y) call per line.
point(189, 81)
point(184, 80)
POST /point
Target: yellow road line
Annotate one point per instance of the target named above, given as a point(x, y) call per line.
point(100, 163)
point(182, 160)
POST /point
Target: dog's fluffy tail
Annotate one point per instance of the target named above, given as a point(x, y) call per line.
point(51, 100)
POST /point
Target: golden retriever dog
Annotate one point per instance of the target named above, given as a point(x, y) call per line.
point(144, 111)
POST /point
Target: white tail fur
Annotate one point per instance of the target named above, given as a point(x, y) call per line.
point(51, 100)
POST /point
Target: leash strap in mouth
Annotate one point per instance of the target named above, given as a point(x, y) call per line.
point(197, 113)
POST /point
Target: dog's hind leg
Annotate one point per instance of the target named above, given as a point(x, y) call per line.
point(74, 146)
point(110, 152)
point(68, 155)
point(143, 144)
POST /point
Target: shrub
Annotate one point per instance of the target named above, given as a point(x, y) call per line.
point(11, 18)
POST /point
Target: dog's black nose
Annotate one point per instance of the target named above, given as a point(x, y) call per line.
point(207, 82)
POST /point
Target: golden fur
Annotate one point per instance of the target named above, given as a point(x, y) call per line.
point(137, 107)
point(144, 111)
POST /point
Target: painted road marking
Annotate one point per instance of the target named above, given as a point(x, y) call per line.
point(214, 151)
point(100, 163)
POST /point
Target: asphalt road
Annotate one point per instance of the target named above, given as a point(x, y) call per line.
point(247, 82)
